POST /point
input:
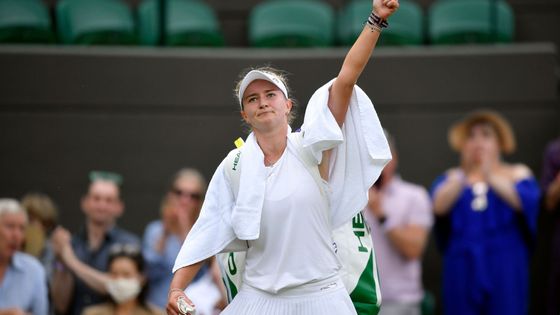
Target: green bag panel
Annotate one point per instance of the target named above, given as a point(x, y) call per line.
point(366, 308)
point(189, 23)
point(364, 297)
point(428, 304)
point(470, 21)
point(95, 22)
point(406, 26)
point(291, 23)
point(25, 21)
point(232, 292)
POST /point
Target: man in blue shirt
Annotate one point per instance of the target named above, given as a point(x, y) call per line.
point(85, 255)
point(23, 285)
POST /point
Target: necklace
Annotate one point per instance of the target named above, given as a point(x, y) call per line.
point(480, 201)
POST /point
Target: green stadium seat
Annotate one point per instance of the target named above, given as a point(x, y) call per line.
point(470, 21)
point(351, 20)
point(95, 22)
point(189, 23)
point(291, 23)
point(406, 26)
point(25, 21)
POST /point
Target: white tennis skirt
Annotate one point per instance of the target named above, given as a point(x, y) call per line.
point(320, 298)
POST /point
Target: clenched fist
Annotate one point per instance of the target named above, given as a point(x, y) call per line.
point(385, 8)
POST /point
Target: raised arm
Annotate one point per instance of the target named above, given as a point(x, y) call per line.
point(353, 65)
point(357, 58)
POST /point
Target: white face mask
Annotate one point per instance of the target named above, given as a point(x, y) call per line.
point(124, 289)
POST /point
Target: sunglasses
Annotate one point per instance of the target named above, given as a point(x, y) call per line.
point(187, 194)
point(124, 248)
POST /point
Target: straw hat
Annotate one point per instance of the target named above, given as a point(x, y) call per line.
point(459, 132)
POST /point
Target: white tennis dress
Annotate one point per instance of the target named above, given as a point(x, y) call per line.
point(292, 268)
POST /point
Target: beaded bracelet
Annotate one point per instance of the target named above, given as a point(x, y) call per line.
point(376, 23)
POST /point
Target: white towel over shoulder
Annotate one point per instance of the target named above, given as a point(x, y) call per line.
point(360, 151)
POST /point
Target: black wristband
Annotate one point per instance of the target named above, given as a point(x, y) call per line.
point(376, 22)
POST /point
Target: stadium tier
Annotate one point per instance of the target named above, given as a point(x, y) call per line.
point(270, 23)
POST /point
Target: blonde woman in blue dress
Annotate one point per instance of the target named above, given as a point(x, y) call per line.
point(293, 190)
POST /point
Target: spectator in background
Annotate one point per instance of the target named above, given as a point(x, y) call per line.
point(23, 284)
point(551, 187)
point(80, 280)
point(551, 176)
point(399, 215)
point(163, 238)
point(546, 271)
point(486, 211)
point(127, 285)
point(42, 214)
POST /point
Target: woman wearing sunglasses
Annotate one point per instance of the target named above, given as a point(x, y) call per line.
point(163, 238)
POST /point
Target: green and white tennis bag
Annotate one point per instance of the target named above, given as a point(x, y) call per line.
point(352, 243)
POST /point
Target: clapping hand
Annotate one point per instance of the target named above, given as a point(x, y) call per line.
point(60, 239)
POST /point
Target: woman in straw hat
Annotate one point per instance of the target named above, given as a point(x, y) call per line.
point(486, 211)
point(292, 191)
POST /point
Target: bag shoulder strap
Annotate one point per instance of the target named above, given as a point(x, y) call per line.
point(232, 166)
point(233, 162)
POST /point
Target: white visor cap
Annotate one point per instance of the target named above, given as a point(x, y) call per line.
point(260, 75)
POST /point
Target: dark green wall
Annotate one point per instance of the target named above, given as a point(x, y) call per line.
point(147, 112)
